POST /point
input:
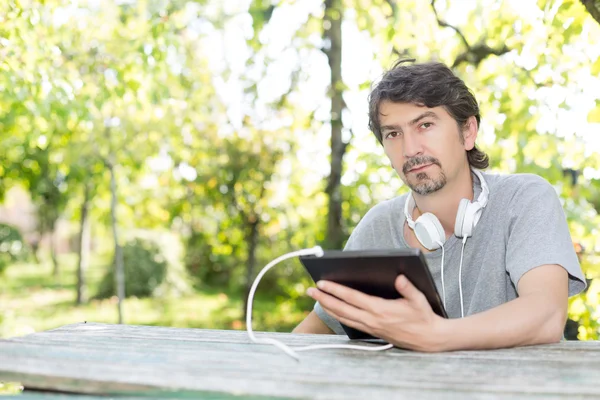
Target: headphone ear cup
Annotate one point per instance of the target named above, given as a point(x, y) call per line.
point(429, 231)
point(459, 226)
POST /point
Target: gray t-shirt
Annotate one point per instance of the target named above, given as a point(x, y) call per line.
point(522, 227)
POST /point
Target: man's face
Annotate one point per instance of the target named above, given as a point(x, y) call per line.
point(423, 144)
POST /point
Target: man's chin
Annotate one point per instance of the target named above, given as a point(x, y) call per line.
point(425, 188)
point(424, 191)
point(420, 179)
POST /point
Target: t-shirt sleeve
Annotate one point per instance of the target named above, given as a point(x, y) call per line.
point(538, 234)
point(331, 322)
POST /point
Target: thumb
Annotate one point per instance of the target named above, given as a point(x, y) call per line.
point(409, 291)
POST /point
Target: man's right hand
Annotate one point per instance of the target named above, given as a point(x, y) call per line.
point(313, 324)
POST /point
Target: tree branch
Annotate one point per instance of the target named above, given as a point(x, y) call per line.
point(478, 53)
point(444, 24)
point(400, 54)
point(393, 18)
point(235, 201)
point(393, 7)
point(473, 54)
point(593, 7)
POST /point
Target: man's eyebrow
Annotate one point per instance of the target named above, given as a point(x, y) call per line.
point(394, 127)
point(426, 114)
point(391, 128)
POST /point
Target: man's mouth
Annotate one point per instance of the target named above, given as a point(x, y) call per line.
point(419, 168)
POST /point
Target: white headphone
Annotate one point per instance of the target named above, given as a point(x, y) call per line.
point(429, 230)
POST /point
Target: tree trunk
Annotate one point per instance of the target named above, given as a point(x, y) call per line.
point(252, 240)
point(333, 38)
point(84, 246)
point(41, 232)
point(35, 247)
point(52, 233)
point(119, 273)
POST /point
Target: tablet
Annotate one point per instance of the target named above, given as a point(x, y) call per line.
point(374, 272)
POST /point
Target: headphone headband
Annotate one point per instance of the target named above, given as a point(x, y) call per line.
point(409, 206)
point(482, 199)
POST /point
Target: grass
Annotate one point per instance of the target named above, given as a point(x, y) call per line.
point(32, 300)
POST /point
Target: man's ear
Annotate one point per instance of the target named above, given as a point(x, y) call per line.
point(470, 132)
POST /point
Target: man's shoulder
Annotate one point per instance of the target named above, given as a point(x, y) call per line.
point(379, 216)
point(514, 184)
point(385, 210)
point(378, 226)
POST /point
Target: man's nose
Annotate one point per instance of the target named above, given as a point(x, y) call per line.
point(412, 146)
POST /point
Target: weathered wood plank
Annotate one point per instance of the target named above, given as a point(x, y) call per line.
point(180, 395)
point(98, 358)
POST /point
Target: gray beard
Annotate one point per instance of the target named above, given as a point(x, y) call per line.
point(425, 185)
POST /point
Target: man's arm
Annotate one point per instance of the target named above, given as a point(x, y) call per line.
point(537, 316)
point(312, 324)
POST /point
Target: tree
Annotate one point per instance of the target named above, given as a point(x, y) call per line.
point(332, 47)
point(35, 116)
point(593, 7)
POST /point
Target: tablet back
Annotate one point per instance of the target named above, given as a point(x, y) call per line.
point(374, 272)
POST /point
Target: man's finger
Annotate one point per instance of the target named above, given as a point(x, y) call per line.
point(410, 292)
point(349, 322)
point(353, 297)
point(340, 307)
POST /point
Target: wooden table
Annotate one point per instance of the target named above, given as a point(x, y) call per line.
point(101, 359)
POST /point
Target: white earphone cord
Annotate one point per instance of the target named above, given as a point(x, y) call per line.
point(317, 251)
point(462, 310)
point(442, 271)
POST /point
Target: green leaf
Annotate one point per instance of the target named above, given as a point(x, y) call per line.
point(595, 68)
point(594, 114)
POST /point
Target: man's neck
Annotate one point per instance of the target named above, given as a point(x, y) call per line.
point(444, 203)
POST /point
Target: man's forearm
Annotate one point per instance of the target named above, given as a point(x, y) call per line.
point(312, 324)
point(528, 320)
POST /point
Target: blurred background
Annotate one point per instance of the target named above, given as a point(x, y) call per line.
point(185, 144)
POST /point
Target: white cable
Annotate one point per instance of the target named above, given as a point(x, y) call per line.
point(443, 287)
point(317, 251)
point(462, 311)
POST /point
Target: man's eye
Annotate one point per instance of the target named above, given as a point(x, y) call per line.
point(391, 135)
point(426, 124)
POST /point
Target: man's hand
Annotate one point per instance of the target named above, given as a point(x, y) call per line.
point(408, 322)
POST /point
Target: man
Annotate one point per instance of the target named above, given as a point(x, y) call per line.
point(510, 273)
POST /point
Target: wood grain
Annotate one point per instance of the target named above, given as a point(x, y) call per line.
point(121, 359)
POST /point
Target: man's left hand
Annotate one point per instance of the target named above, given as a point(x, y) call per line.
point(408, 322)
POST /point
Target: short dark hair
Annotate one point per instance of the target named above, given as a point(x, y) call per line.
point(430, 84)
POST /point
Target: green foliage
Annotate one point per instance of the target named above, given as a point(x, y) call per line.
point(206, 266)
point(145, 269)
point(141, 84)
point(12, 246)
point(7, 388)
